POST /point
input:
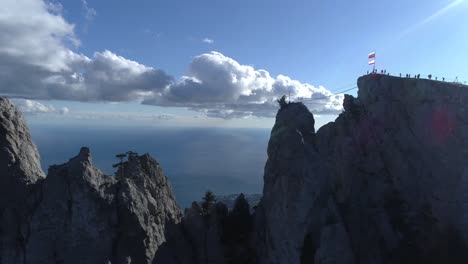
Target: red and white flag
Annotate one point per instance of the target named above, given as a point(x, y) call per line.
point(372, 55)
point(372, 62)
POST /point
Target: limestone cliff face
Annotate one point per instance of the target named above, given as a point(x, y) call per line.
point(19, 159)
point(297, 198)
point(79, 215)
point(88, 217)
point(387, 182)
point(20, 177)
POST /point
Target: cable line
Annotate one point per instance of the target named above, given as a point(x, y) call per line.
point(327, 96)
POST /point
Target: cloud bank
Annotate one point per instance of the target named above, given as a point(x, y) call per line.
point(30, 107)
point(38, 60)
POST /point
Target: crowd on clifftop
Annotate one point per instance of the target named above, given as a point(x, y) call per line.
point(415, 76)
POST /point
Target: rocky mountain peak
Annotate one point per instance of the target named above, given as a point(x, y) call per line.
point(77, 214)
point(84, 154)
point(19, 160)
point(392, 164)
point(296, 118)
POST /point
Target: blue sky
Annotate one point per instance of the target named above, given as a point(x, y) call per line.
point(320, 43)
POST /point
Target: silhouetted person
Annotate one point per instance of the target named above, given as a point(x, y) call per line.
point(443, 79)
point(419, 75)
point(400, 75)
point(430, 76)
point(367, 71)
point(436, 78)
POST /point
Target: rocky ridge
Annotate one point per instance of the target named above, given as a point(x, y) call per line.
point(385, 183)
point(79, 215)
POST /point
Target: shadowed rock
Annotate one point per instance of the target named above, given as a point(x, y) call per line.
point(385, 183)
point(20, 177)
point(88, 217)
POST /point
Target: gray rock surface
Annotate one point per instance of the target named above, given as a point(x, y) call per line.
point(79, 215)
point(19, 160)
point(88, 217)
point(20, 177)
point(76, 219)
point(296, 191)
point(385, 183)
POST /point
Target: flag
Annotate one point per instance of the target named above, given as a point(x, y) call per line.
point(372, 62)
point(372, 55)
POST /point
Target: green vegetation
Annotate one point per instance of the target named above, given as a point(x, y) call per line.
point(237, 232)
point(208, 201)
point(121, 164)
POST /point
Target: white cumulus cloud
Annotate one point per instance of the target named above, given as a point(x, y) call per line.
point(38, 60)
point(222, 87)
point(31, 107)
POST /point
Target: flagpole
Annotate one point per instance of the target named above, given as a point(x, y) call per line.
point(374, 63)
point(371, 56)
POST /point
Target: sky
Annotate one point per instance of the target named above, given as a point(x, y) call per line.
point(211, 62)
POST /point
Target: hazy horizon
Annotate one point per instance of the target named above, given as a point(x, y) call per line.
point(217, 64)
point(224, 160)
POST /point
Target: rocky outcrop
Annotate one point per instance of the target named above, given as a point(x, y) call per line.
point(88, 217)
point(296, 197)
point(79, 215)
point(385, 183)
point(19, 160)
point(75, 219)
point(20, 177)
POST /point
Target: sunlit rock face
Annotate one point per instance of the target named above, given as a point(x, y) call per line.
point(20, 178)
point(387, 182)
point(79, 215)
point(88, 217)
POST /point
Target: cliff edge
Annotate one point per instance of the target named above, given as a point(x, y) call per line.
point(387, 182)
point(77, 214)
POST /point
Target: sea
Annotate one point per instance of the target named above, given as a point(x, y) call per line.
point(224, 160)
